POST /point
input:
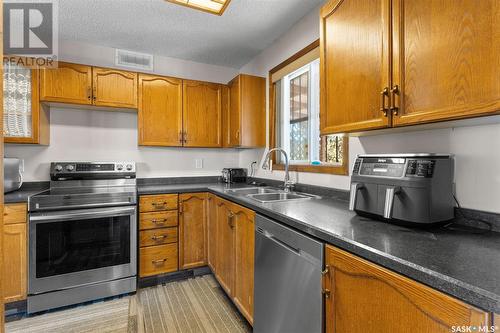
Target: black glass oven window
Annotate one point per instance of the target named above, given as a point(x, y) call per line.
point(74, 246)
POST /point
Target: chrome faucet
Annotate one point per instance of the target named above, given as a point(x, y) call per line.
point(287, 184)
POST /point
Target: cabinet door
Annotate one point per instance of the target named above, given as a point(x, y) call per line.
point(225, 247)
point(114, 88)
point(192, 230)
point(160, 111)
point(364, 296)
point(68, 83)
point(446, 59)
point(14, 281)
point(244, 260)
point(25, 121)
point(234, 128)
point(202, 114)
point(354, 65)
point(212, 232)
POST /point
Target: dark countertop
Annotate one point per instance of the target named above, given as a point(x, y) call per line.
point(461, 262)
point(27, 190)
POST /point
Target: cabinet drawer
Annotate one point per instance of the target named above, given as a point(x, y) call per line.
point(158, 220)
point(154, 203)
point(158, 236)
point(15, 213)
point(158, 259)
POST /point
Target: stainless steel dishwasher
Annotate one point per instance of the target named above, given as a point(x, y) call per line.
point(288, 294)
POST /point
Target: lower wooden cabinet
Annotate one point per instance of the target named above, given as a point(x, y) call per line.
point(212, 232)
point(231, 251)
point(15, 245)
point(158, 259)
point(244, 260)
point(364, 297)
point(224, 271)
point(158, 234)
point(192, 230)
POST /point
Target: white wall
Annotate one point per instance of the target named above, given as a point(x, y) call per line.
point(83, 135)
point(476, 148)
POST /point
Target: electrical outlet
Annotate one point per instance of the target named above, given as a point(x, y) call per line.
point(199, 163)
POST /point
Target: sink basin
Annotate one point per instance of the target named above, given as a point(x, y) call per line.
point(279, 196)
point(253, 190)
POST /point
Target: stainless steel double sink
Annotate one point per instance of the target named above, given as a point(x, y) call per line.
point(270, 194)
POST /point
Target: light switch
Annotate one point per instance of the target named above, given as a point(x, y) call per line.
point(199, 163)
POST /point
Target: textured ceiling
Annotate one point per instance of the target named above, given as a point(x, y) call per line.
point(162, 28)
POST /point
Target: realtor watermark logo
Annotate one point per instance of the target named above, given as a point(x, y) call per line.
point(31, 31)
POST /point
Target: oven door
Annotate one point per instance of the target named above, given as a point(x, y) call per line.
point(79, 247)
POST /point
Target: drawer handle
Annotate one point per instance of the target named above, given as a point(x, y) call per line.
point(159, 261)
point(161, 221)
point(159, 204)
point(154, 237)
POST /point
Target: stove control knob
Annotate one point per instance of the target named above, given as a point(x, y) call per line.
point(70, 167)
point(119, 167)
point(58, 167)
point(129, 167)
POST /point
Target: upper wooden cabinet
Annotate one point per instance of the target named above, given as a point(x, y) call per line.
point(87, 85)
point(446, 59)
point(246, 119)
point(354, 65)
point(68, 83)
point(361, 295)
point(443, 63)
point(202, 114)
point(25, 120)
point(114, 88)
point(192, 230)
point(160, 111)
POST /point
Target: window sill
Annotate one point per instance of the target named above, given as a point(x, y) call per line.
point(333, 169)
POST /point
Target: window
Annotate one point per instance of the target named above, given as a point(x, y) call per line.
point(295, 112)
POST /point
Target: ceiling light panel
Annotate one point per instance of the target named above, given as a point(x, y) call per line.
point(210, 6)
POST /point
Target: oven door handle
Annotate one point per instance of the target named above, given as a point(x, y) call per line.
point(82, 214)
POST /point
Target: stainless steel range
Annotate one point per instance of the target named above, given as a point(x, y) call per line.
point(83, 235)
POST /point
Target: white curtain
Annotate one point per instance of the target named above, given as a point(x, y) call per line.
point(17, 101)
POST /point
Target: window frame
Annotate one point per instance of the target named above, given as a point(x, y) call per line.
point(342, 169)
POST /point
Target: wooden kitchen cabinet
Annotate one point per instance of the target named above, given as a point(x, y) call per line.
point(244, 221)
point(354, 65)
point(88, 85)
point(68, 83)
point(361, 296)
point(225, 246)
point(192, 230)
point(396, 62)
point(15, 244)
point(158, 234)
point(25, 120)
point(446, 59)
point(212, 232)
point(246, 119)
point(114, 88)
point(160, 111)
point(202, 114)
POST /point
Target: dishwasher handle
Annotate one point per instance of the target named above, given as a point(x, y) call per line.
point(296, 251)
point(280, 242)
